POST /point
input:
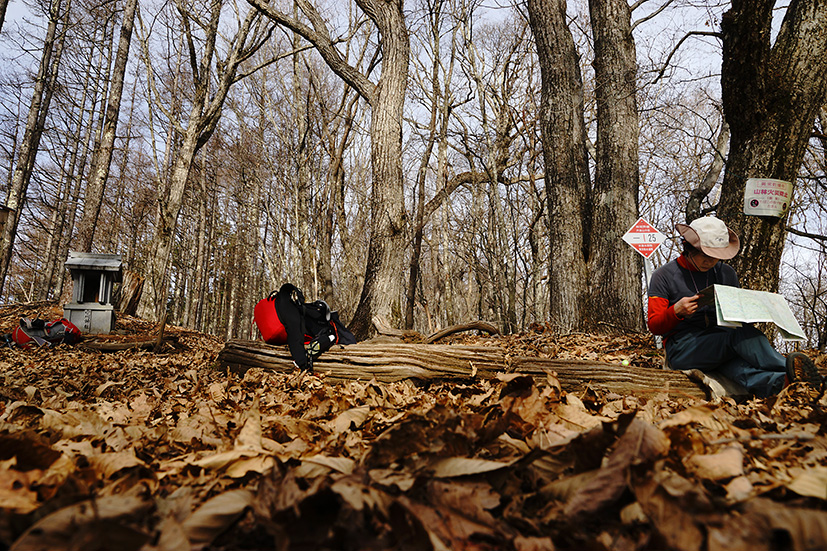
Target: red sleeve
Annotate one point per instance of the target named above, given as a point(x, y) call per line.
point(661, 317)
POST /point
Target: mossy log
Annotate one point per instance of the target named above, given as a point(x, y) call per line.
point(395, 362)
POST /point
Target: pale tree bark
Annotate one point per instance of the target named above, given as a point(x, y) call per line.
point(204, 115)
point(80, 131)
point(614, 268)
point(87, 130)
point(114, 238)
point(336, 134)
point(77, 167)
point(566, 163)
point(195, 299)
point(772, 93)
point(35, 123)
point(594, 279)
point(102, 156)
point(381, 290)
point(438, 93)
point(63, 203)
point(697, 195)
point(495, 87)
point(302, 184)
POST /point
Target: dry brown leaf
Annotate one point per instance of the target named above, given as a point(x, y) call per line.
point(766, 526)
point(810, 482)
point(739, 489)
point(522, 543)
point(171, 536)
point(564, 488)
point(727, 463)
point(640, 443)
point(322, 485)
point(350, 419)
point(108, 384)
point(673, 504)
point(108, 464)
point(217, 392)
point(343, 465)
point(258, 464)
point(575, 416)
point(361, 497)
point(249, 437)
point(402, 480)
point(462, 466)
point(215, 515)
point(16, 493)
point(451, 529)
point(91, 525)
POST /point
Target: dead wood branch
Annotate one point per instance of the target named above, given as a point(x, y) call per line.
point(116, 346)
point(459, 328)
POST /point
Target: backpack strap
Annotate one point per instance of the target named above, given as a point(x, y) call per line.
point(290, 309)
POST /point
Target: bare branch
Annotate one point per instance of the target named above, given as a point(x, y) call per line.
point(652, 15)
point(678, 45)
point(319, 36)
point(813, 236)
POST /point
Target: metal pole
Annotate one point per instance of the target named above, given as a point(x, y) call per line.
point(647, 270)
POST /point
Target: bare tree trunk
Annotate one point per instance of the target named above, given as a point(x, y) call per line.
point(337, 138)
point(64, 197)
point(697, 195)
point(566, 163)
point(154, 297)
point(195, 298)
point(303, 201)
point(614, 269)
point(102, 156)
point(381, 293)
point(204, 116)
point(232, 304)
point(772, 94)
point(3, 5)
point(52, 276)
point(381, 290)
point(41, 97)
point(114, 238)
point(441, 274)
point(430, 141)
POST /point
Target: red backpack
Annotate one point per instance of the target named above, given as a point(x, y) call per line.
point(40, 332)
point(308, 329)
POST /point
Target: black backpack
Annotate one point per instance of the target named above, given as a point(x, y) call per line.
point(311, 328)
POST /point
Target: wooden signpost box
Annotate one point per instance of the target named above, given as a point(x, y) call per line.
point(93, 278)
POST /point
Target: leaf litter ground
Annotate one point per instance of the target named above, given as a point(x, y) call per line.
point(143, 450)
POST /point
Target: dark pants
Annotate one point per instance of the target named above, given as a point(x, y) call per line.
point(742, 354)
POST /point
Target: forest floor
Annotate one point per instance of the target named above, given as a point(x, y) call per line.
point(161, 450)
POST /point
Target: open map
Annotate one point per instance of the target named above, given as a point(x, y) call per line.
point(734, 306)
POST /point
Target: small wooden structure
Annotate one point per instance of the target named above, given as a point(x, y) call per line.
point(93, 278)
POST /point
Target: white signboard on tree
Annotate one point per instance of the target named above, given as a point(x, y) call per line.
point(644, 238)
point(767, 197)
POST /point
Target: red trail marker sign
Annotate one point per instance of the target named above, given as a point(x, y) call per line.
point(644, 238)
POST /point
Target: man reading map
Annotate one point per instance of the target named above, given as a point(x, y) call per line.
point(696, 332)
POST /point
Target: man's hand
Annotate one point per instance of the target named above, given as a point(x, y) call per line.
point(686, 306)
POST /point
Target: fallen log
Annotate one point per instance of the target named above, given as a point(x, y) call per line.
point(395, 362)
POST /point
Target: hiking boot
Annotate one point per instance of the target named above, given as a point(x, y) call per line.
point(800, 368)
